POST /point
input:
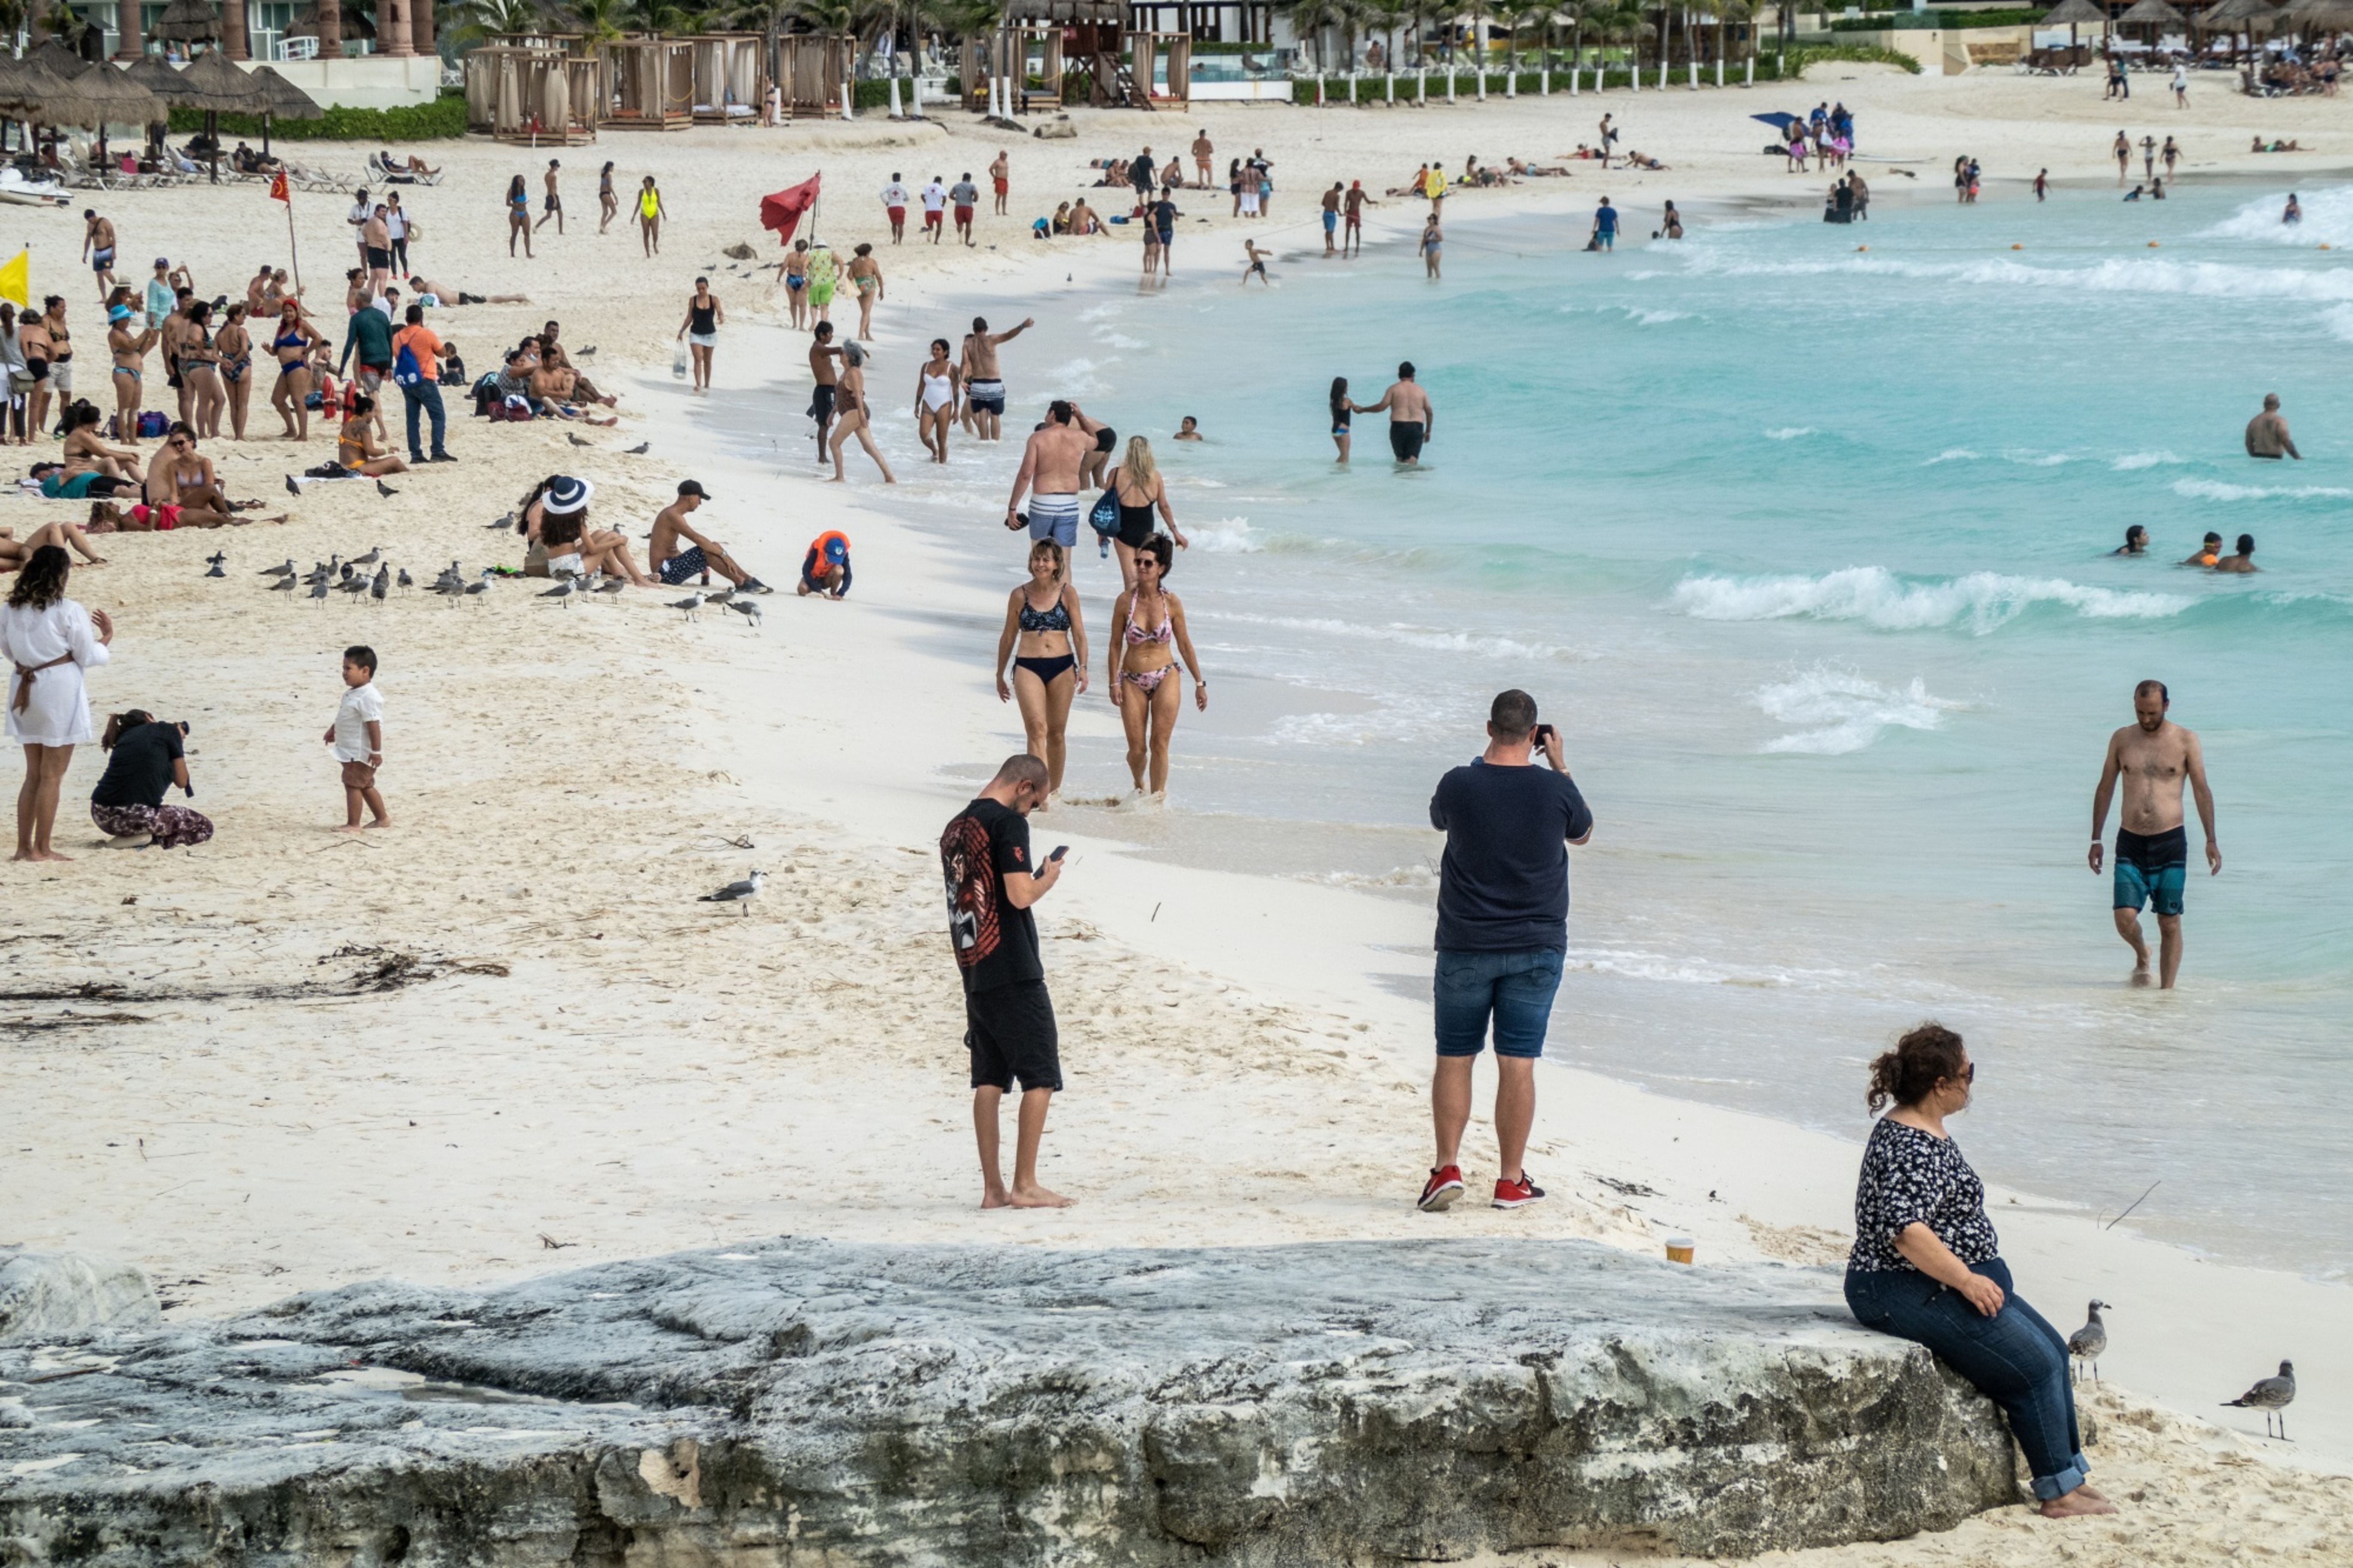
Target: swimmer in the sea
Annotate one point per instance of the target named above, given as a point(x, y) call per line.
point(2244, 560)
point(2267, 434)
point(2207, 554)
point(2135, 542)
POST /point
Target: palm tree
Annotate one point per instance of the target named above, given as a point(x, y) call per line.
point(478, 19)
point(1312, 19)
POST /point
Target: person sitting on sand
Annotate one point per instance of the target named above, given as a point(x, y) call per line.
point(355, 448)
point(550, 353)
point(180, 475)
point(678, 552)
point(1061, 223)
point(824, 570)
point(1083, 220)
point(2244, 560)
point(144, 758)
point(555, 521)
point(87, 452)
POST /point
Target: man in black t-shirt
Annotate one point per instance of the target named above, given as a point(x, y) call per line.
point(1503, 930)
point(992, 881)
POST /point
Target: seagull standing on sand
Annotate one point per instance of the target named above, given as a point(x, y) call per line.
point(382, 584)
point(370, 559)
point(319, 589)
point(405, 580)
point(285, 571)
point(563, 591)
point(283, 586)
point(742, 892)
point(691, 603)
point(213, 566)
point(2268, 1395)
point(747, 609)
point(2086, 1343)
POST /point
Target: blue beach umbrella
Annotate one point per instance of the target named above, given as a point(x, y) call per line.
point(1777, 119)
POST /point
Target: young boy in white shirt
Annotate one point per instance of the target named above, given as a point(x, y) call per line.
point(357, 737)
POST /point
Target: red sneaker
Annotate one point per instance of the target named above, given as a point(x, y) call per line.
point(1516, 1195)
point(1444, 1186)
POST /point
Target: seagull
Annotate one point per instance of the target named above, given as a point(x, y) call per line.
point(405, 580)
point(357, 585)
point(344, 572)
point(215, 570)
point(283, 586)
point(319, 589)
point(563, 591)
point(506, 522)
point(285, 571)
point(2268, 1395)
point(291, 487)
point(748, 609)
point(385, 489)
point(576, 440)
point(721, 597)
point(370, 559)
point(2086, 1343)
point(586, 352)
point(474, 590)
point(691, 603)
point(612, 584)
point(382, 584)
point(742, 892)
point(641, 448)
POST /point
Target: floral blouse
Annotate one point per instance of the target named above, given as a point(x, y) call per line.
point(1913, 1177)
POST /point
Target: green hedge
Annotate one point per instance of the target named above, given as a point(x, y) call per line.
point(2003, 18)
point(441, 119)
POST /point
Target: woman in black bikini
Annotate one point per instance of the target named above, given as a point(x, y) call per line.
point(1140, 489)
point(1147, 639)
point(1341, 410)
point(1050, 664)
point(235, 346)
point(200, 359)
point(292, 346)
point(606, 199)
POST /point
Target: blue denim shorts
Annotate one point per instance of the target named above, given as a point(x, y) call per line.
point(1515, 989)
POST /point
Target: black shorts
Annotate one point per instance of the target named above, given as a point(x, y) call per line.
point(1010, 1029)
point(821, 406)
point(1106, 438)
point(1404, 440)
point(381, 260)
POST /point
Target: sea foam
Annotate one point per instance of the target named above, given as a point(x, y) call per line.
point(1981, 601)
point(1838, 710)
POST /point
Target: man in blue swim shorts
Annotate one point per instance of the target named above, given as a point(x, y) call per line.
point(2154, 757)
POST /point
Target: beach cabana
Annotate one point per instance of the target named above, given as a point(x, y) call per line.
point(532, 94)
point(812, 69)
point(727, 78)
point(2154, 15)
point(1147, 53)
point(652, 84)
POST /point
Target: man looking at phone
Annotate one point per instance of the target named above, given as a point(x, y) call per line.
point(992, 882)
point(1503, 928)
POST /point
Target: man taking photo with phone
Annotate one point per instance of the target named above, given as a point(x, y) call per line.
point(992, 882)
point(1502, 930)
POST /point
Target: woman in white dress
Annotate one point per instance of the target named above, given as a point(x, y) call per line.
point(49, 641)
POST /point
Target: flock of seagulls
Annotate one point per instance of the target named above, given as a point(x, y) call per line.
point(352, 579)
point(2272, 1395)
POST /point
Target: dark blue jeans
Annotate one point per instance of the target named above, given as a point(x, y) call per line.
point(424, 396)
point(2014, 1357)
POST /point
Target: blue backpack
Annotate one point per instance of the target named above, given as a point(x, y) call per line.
point(405, 370)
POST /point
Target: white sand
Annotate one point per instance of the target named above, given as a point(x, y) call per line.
point(653, 1073)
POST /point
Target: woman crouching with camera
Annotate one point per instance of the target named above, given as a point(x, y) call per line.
point(1927, 1266)
point(144, 758)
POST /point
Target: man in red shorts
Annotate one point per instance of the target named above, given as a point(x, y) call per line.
point(935, 206)
point(894, 203)
point(1000, 175)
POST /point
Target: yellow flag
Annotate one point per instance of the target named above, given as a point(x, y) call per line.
point(16, 279)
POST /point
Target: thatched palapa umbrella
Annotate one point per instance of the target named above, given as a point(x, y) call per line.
point(287, 101)
point(100, 96)
point(2075, 13)
point(188, 21)
point(2242, 19)
point(2154, 15)
point(218, 87)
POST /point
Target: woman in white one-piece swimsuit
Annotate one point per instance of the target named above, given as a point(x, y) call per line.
point(48, 641)
point(935, 400)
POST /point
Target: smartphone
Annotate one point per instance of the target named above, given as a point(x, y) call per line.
point(1060, 850)
point(1543, 736)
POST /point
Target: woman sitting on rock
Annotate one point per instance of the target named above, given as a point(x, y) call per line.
point(1927, 1266)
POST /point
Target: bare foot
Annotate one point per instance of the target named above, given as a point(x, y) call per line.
point(51, 854)
point(2140, 977)
point(1037, 1198)
point(24, 855)
point(379, 822)
point(349, 827)
point(996, 1198)
point(2077, 1504)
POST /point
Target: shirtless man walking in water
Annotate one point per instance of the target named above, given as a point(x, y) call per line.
point(1049, 473)
point(1411, 416)
point(984, 389)
point(2154, 757)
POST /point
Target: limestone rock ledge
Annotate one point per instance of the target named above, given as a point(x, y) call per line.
point(810, 1402)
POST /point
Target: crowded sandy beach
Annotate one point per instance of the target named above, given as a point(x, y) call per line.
point(552, 908)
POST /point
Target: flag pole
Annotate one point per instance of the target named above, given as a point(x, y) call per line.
point(292, 251)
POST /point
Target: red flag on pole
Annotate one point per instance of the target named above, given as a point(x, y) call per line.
point(782, 211)
point(278, 191)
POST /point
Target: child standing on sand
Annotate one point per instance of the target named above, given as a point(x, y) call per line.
point(357, 737)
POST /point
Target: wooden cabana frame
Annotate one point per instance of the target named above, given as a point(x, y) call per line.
point(539, 95)
point(813, 70)
point(728, 78)
point(650, 84)
point(1146, 50)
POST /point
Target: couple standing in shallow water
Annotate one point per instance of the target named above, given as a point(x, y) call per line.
point(1044, 634)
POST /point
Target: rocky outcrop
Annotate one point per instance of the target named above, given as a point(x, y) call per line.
point(804, 1402)
point(65, 1295)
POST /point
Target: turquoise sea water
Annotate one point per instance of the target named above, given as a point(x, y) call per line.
point(1805, 548)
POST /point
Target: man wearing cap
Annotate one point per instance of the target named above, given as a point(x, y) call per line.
point(824, 570)
point(678, 553)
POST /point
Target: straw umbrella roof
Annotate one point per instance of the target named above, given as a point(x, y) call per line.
point(2326, 14)
point(2156, 11)
point(357, 23)
point(214, 82)
point(100, 97)
point(287, 101)
point(2075, 12)
point(150, 72)
point(2234, 13)
point(56, 62)
point(188, 21)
